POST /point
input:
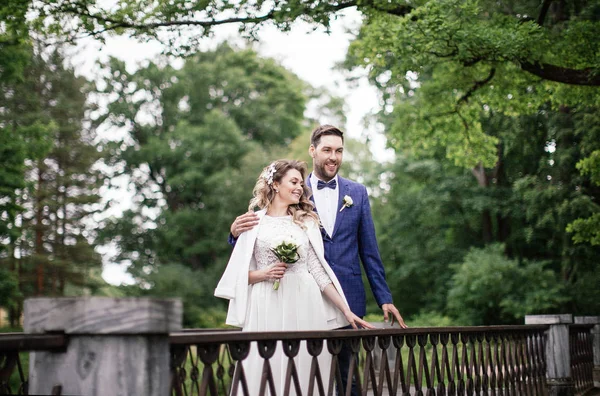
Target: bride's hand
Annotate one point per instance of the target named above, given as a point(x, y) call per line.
point(275, 271)
point(357, 322)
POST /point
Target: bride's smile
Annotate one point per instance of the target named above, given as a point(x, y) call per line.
point(290, 189)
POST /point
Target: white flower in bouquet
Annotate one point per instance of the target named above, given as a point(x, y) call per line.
point(286, 251)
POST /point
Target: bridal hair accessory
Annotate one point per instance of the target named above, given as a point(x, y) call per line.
point(268, 174)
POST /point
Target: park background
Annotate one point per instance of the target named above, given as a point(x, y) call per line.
point(486, 210)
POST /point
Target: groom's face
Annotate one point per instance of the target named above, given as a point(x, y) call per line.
point(327, 157)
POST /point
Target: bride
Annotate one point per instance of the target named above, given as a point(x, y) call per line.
point(267, 295)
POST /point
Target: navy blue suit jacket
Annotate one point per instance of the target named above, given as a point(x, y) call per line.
point(353, 241)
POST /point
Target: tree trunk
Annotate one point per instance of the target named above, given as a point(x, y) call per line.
point(503, 222)
point(14, 317)
point(487, 228)
point(39, 233)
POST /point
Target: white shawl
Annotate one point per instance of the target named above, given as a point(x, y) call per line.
point(234, 287)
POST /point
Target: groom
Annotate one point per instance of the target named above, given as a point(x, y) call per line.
point(348, 231)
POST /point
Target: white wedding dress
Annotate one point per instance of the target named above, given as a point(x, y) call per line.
point(296, 305)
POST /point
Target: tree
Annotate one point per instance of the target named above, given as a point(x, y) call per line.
point(197, 138)
point(9, 289)
point(74, 180)
point(14, 39)
point(54, 187)
point(24, 136)
point(487, 288)
point(457, 60)
point(468, 32)
point(476, 89)
point(587, 229)
point(454, 60)
point(426, 219)
point(435, 211)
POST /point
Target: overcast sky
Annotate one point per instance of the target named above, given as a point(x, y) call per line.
point(311, 55)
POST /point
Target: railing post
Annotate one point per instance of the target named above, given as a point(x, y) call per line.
point(595, 320)
point(558, 359)
point(116, 346)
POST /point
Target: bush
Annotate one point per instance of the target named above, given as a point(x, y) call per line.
point(490, 289)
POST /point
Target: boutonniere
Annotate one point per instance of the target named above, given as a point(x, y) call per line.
point(347, 202)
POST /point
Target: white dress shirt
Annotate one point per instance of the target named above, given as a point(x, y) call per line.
point(326, 202)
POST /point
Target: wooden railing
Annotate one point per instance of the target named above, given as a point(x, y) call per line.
point(13, 378)
point(496, 360)
point(582, 357)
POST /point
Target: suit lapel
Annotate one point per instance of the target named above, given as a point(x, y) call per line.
point(312, 197)
point(343, 190)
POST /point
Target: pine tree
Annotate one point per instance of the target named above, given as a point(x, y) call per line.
point(55, 185)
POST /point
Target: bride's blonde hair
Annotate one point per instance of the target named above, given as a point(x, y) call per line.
point(264, 193)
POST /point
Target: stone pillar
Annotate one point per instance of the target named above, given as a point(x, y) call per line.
point(558, 359)
point(116, 346)
point(595, 320)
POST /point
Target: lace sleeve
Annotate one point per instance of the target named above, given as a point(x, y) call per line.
point(316, 269)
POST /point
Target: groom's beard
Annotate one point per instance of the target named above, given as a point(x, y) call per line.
point(324, 173)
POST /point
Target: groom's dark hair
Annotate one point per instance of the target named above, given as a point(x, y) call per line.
point(324, 130)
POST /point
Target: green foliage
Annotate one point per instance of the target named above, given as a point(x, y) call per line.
point(466, 57)
point(14, 39)
point(24, 135)
point(50, 186)
point(431, 319)
point(591, 166)
point(427, 219)
point(432, 212)
point(9, 289)
point(488, 288)
point(586, 230)
point(423, 319)
point(491, 108)
point(196, 141)
point(447, 64)
point(171, 21)
point(460, 81)
point(192, 287)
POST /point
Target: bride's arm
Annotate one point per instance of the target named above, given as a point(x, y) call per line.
point(272, 272)
point(328, 289)
point(332, 294)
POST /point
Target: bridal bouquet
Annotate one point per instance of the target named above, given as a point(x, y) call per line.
point(286, 251)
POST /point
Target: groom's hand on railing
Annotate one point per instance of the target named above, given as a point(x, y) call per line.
point(391, 309)
point(243, 223)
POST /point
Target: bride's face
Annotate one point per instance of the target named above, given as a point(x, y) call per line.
point(290, 188)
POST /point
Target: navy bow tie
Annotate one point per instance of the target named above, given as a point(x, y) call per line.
point(330, 184)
